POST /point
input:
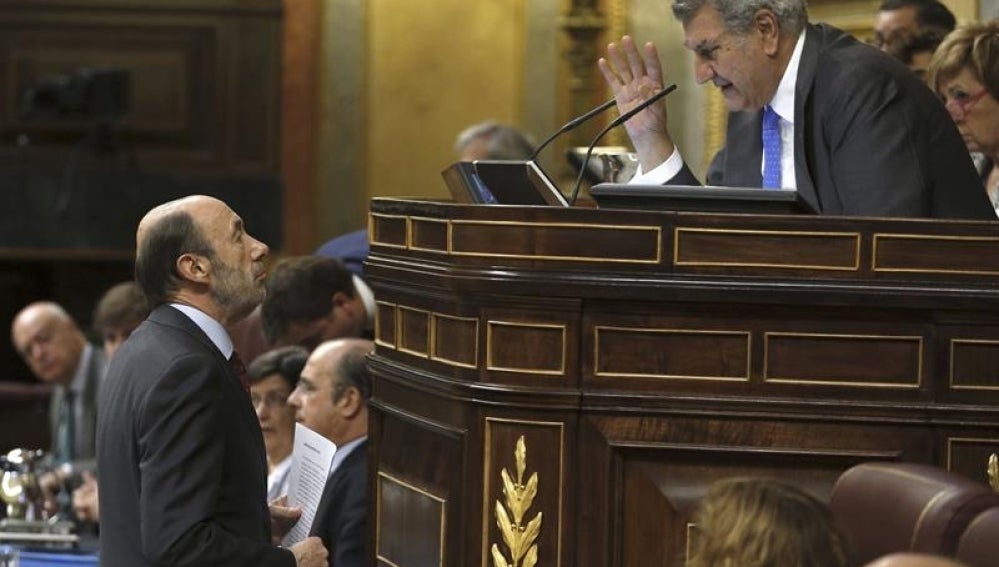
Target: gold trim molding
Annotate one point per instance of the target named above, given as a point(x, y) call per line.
point(855, 384)
point(525, 370)
point(420, 492)
point(954, 343)
point(639, 330)
point(992, 242)
point(852, 266)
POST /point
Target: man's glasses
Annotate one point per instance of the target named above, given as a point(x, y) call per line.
point(271, 400)
point(958, 102)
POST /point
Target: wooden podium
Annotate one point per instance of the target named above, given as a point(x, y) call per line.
point(565, 383)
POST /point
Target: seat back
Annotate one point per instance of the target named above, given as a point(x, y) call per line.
point(979, 544)
point(893, 507)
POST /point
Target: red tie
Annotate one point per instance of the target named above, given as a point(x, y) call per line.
point(240, 368)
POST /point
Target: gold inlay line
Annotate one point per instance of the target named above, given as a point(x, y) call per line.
point(850, 267)
point(639, 330)
point(434, 355)
point(952, 441)
point(420, 491)
point(953, 344)
point(804, 382)
point(489, 347)
point(886, 236)
point(412, 234)
point(653, 230)
point(400, 338)
point(378, 324)
point(373, 236)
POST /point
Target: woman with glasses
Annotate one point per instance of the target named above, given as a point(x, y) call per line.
point(965, 73)
point(272, 376)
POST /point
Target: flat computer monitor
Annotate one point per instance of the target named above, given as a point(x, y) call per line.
point(501, 182)
point(697, 198)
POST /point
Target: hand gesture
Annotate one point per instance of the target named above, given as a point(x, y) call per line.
point(283, 518)
point(85, 502)
point(634, 77)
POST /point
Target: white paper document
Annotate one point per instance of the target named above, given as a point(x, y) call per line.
point(311, 460)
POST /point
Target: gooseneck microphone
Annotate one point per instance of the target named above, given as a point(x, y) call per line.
point(614, 124)
point(571, 125)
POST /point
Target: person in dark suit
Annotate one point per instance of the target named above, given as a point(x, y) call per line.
point(811, 109)
point(180, 453)
point(332, 399)
point(54, 347)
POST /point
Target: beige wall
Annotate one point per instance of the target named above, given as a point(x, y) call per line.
point(400, 79)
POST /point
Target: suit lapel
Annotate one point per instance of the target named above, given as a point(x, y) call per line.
point(326, 500)
point(802, 116)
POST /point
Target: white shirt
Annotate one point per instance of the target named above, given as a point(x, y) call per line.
point(783, 105)
point(279, 479)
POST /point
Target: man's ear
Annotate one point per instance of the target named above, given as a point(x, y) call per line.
point(342, 301)
point(350, 402)
point(194, 267)
point(768, 27)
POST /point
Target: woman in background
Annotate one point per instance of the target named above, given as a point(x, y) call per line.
point(272, 376)
point(757, 522)
point(964, 71)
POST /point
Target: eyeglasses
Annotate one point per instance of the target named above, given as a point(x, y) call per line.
point(958, 102)
point(271, 400)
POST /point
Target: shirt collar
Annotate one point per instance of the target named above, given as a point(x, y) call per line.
point(783, 101)
point(343, 450)
point(215, 331)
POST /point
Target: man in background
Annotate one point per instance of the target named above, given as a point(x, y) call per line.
point(332, 399)
point(492, 140)
point(900, 20)
point(311, 299)
point(119, 311)
point(181, 458)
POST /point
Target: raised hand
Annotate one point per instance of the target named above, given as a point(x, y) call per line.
point(634, 76)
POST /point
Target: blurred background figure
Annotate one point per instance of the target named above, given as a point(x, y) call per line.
point(54, 347)
point(964, 71)
point(492, 140)
point(917, 51)
point(273, 375)
point(351, 249)
point(899, 20)
point(914, 560)
point(311, 299)
point(753, 521)
point(118, 312)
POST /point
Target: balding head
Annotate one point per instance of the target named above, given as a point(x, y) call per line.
point(332, 394)
point(914, 560)
point(49, 341)
point(196, 251)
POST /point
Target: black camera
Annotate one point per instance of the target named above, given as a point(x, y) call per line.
point(99, 93)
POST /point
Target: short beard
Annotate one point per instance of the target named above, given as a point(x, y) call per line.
point(236, 294)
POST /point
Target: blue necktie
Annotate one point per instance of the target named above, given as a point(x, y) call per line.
point(771, 149)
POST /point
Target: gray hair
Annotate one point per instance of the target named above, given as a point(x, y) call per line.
point(792, 15)
point(505, 142)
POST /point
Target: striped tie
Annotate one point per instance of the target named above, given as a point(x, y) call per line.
point(771, 149)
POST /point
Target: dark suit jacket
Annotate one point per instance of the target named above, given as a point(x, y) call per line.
point(343, 511)
point(180, 455)
point(84, 448)
point(869, 139)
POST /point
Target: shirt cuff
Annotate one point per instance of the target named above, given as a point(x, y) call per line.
point(661, 173)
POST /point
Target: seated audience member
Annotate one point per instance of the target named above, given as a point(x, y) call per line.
point(351, 249)
point(311, 299)
point(964, 71)
point(492, 140)
point(900, 20)
point(119, 311)
point(917, 51)
point(332, 399)
point(914, 560)
point(810, 109)
point(272, 376)
point(763, 522)
point(54, 347)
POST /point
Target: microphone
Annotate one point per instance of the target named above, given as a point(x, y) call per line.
point(614, 124)
point(571, 125)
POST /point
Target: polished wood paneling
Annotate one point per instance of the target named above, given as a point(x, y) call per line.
point(204, 80)
point(762, 345)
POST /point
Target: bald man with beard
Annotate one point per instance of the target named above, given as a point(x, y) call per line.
point(180, 453)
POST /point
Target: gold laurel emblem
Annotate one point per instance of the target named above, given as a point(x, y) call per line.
point(518, 537)
point(993, 471)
